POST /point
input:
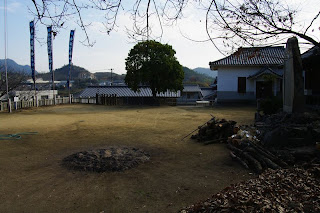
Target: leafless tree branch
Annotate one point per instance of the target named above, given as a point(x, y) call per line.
point(235, 22)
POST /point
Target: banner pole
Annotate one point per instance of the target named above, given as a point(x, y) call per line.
point(32, 62)
point(5, 54)
point(70, 101)
point(49, 44)
point(72, 32)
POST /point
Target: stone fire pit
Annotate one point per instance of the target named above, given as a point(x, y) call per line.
point(111, 159)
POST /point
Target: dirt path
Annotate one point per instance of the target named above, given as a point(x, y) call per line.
point(178, 173)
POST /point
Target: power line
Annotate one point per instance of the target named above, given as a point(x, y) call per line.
point(98, 70)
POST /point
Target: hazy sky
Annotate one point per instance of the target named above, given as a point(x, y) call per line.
point(111, 50)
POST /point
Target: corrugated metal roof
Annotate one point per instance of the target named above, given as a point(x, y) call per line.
point(254, 56)
point(123, 91)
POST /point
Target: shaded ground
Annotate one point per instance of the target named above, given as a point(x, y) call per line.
point(177, 174)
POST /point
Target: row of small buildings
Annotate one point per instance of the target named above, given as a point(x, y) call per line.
point(190, 95)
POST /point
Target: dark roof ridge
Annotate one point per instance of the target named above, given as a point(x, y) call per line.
point(251, 56)
point(261, 47)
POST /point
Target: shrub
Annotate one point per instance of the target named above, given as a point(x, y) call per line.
point(271, 105)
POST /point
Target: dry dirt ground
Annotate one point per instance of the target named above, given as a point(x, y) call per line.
point(178, 174)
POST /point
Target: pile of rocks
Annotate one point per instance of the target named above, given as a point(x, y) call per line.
point(111, 159)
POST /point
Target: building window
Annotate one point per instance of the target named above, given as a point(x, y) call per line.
point(242, 84)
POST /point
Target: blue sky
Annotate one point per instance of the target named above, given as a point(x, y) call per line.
point(111, 50)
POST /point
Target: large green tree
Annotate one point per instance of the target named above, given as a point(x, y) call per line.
point(153, 64)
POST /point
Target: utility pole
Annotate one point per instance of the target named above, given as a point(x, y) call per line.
point(69, 79)
point(111, 76)
point(5, 54)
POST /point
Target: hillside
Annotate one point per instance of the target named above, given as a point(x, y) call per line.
point(206, 71)
point(192, 77)
point(61, 74)
point(83, 77)
point(106, 76)
point(13, 66)
point(80, 73)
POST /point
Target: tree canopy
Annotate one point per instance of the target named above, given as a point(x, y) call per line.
point(153, 64)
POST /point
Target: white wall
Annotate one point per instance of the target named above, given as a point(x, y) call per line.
point(28, 95)
point(228, 78)
point(228, 82)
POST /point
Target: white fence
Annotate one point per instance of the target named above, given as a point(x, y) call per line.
point(27, 104)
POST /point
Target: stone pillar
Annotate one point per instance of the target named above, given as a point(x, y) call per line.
point(293, 92)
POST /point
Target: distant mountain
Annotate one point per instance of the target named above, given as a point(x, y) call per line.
point(106, 76)
point(14, 67)
point(79, 73)
point(206, 71)
point(192, 77)
point(61, 74)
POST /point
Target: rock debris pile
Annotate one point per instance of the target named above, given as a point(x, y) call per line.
point(289, 130)
point(112, 159)
point(283, 149)
point(276, 141)
point(214, 131)
point(283, 190)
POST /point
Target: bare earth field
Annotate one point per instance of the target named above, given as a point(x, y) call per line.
point(178, 174)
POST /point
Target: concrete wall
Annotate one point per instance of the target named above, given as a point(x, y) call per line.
point(230, 96)
point(193, 97)
point(228, 78)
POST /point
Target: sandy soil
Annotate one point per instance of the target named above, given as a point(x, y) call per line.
point(178, 173)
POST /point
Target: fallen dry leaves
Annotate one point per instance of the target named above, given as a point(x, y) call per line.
point(282, 190)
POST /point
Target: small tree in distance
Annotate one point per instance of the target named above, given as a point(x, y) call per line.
point(15, 80)
point(153, 64)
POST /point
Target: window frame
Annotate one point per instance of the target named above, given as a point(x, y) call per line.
point(242, 84)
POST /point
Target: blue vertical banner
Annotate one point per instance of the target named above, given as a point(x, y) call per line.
point(49, 43)
point(70, 54)
point(32, 51)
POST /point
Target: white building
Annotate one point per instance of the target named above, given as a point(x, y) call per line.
point(250, 74)
point(28, 95)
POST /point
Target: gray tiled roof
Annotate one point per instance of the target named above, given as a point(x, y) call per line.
point(191, 88)
point(123, 91)
point(265, 70)
point(207, 92)
point(311, 52)
point(254, 56)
